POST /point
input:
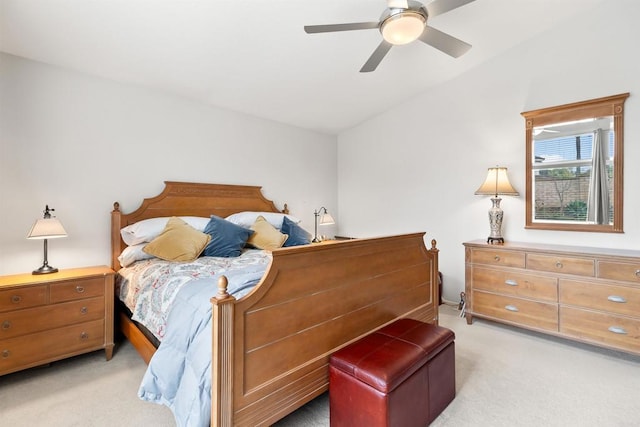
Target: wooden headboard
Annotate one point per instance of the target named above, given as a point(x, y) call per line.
point(189, 199)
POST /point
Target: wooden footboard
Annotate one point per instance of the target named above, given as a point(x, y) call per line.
point(271, 348)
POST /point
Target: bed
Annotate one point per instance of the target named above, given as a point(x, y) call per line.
point(270, 349)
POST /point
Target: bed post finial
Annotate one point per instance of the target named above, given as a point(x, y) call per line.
point(116, 206)
point(433, 244)
point(223, 282)
point(286, 209)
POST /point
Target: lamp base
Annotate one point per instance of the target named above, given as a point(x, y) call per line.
point(495, 240)
point(45, 269)
point(495, 221)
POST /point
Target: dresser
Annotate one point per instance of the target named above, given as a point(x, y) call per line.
point(585, 294)
point(54, 316)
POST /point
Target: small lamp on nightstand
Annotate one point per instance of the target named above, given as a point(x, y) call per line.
point(325, 219)
point(46, 228)
point(497, 183)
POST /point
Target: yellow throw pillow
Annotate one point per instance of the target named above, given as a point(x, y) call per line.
point(265, 235)
point(178, 242)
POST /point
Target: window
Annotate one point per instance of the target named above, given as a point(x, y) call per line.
point(574, 166)
point(563, 177)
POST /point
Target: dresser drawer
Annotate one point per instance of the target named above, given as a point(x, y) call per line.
point(524, 312)
point(36, 349)
point(23, 297)
point(561, 264)
point(517, 284)
point(624, 271)
point(600, 328)
point(77, 289)
point(498, 257)
point(22, 322)
point(616, 299)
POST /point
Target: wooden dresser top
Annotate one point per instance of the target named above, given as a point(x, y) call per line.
point(551, 248)
point(66, 274)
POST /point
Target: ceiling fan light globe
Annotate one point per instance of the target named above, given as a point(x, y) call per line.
point(403, 27)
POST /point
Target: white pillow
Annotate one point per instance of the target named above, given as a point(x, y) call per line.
point(132, 254)
point(247, 219)
point(148, 229)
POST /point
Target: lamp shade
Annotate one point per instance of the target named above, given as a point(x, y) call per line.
point(326, 219)
point(47, 228)
point(497, 183)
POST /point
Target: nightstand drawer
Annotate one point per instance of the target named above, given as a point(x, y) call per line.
point(23, 297)
point(600, 328)
point(517, 284)
point(623, 271)
point(77, 289)
point(22, 322)
point(561, 264)
point(498, 257)
point(623, 300)
point(36, 349)
point(523, 312)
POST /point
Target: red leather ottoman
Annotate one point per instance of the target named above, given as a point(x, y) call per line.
point(402, 375)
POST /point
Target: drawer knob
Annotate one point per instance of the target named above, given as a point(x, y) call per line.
point(511, 308)
point(617, 330)
point(637, 273)
point(496, 258)
point(16, 299)
point(79, 289)
point(84, 336)
point(616, 298)
point(558, 264)
point(511, 282)
point(6, 354)
point(6, 325)
point(84, 310)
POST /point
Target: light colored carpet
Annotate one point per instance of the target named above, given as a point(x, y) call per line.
point(82, 391)
point(504, 376)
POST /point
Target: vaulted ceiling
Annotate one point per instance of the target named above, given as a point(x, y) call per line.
point(253, 56)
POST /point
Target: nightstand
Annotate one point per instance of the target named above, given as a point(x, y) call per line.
point(49, 317)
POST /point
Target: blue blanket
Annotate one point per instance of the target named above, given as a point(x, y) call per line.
point(179, 373)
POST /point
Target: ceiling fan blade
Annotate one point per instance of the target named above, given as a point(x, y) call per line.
point(376, 57)
point(398, 4)
point(312, 29)
point(444, 42)
point(438, 7)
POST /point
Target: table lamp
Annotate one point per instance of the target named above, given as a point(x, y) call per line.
point(46, 228)
point(325, 219)
point(496, 184)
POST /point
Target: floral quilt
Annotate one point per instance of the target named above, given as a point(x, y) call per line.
point(149, 287)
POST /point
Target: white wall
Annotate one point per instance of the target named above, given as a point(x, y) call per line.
point(80, 143)
point(416, 167)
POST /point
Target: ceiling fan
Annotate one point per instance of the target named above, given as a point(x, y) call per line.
point(402, 22)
